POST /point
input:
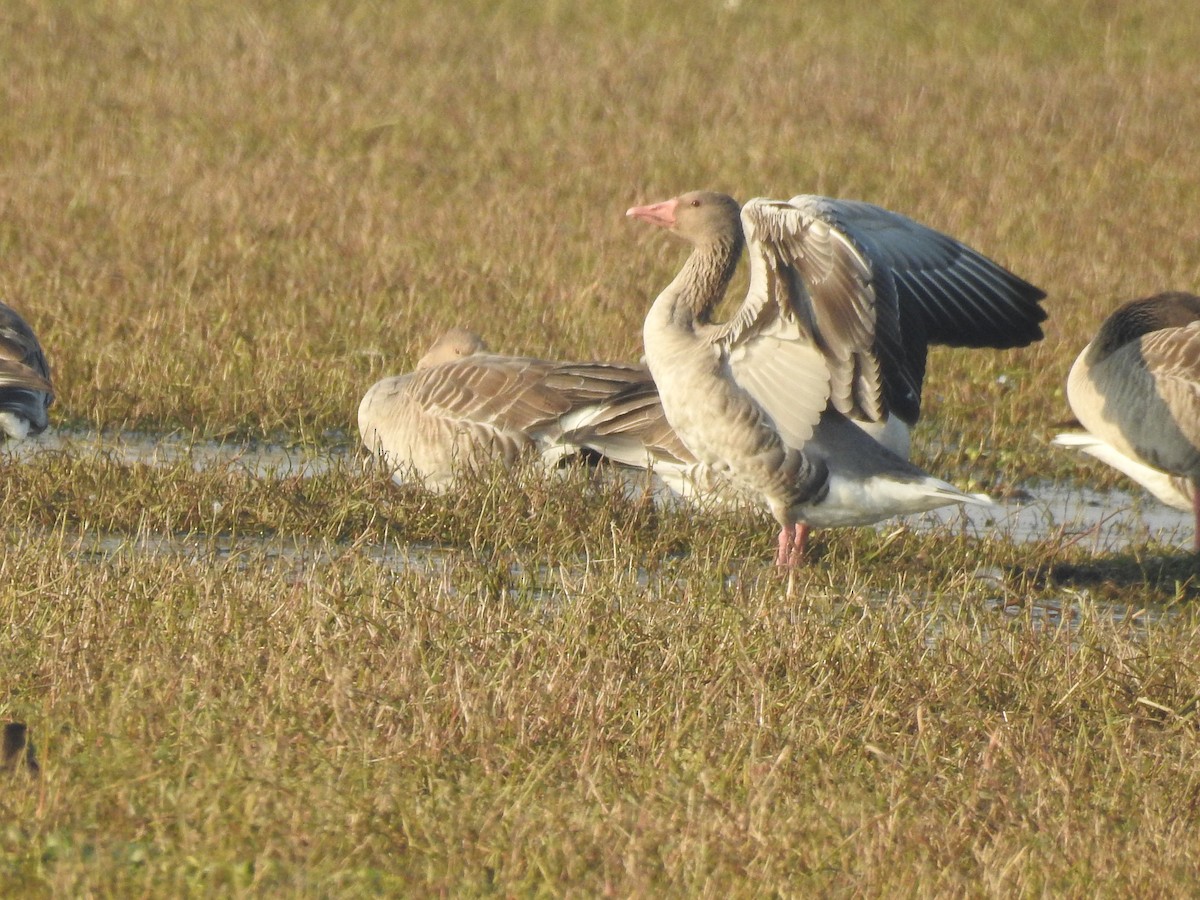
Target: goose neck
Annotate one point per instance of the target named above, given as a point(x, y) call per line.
point(702, 281)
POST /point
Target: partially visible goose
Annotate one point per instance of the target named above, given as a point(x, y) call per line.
point(844, 299)
point(629, 428)
point(25, 389)
point(1136, 389)
point(465, 408)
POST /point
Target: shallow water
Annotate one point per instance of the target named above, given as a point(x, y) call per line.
point(1106, 522)
point(261, 459)
point(295, 554)
point(299, 557)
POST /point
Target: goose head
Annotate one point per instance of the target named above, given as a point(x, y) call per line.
point(454, 344)
point(702, 218)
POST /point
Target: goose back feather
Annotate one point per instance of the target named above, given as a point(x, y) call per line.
point(1136, 389)
point(25, 389)
point(464, 408)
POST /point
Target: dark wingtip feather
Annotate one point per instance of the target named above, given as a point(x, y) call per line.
point(989, 306)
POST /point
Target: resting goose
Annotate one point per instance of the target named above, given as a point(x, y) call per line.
point(631, 430)
point(25, 389)
point(844, 299)
point(1136, 389)
point(464, 408)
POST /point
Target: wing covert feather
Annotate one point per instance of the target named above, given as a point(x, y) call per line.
point(786, 375)
point(1172, 356)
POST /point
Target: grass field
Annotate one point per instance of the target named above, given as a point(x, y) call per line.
point(229, 219)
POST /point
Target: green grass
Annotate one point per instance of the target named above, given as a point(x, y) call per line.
point(229, 219)
point(274, 725)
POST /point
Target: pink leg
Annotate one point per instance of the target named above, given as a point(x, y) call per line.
point(784, 555)
point(1196, 513)
point(793, 546)
point(800, 546)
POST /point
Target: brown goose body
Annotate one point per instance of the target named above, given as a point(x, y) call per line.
point(25, 389)
point(464, 409)
point(1136, 389)
point(870, 289)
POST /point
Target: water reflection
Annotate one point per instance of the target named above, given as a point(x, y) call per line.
point(260, 459)
point(1104, 521)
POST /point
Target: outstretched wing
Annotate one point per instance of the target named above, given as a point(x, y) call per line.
point(769, 342)
point(822, 281)
point(872, 289)
point(963, 299)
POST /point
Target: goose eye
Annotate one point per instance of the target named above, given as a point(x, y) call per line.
point(695, 203)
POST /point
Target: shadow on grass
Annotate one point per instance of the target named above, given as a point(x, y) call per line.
point(1174, 573)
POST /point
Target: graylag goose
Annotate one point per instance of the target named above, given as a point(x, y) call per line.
point(464, 409)
point(829, 345)
point(25, 389)
point(1136, 389)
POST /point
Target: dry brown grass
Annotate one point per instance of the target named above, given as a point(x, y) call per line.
point(231, 218)
point(274, 723)
point(234, 218)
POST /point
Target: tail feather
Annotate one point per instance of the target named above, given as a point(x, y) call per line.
point(1175, 491)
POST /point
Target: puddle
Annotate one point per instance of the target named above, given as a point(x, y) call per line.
point(300, 559)
point(991, 602)
point(1050, 614)
point(260, 459)
point(1106, 522)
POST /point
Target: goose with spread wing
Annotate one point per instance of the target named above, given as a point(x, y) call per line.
point(829, 344)
point(1136, 389)
point(902, 286)
point(25, 389)
point(464, 408)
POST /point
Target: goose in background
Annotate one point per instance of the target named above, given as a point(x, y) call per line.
point(1136, 389)
point(464, 409)
point(828, 347)
point(631, 430)
point(25, 389)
